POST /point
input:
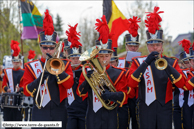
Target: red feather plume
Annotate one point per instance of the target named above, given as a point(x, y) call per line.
point(153, 20)
point(186, 44)
point(193, 45)
point(15, 47)
point(103, 29)
point(31, 54)
point(63, 44)
point(48, 24)
point(73, 36)
point(133, 27)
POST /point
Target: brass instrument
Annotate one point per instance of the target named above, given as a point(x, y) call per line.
point(54, 66)
point(161, 63)
point(98, 78)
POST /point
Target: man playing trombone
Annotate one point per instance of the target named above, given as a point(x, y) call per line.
point(48, 87)
point(155, 77)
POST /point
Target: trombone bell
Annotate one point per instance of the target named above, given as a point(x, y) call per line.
point(55, 66)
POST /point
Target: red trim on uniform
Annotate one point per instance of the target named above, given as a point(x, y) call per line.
point(31, 70)
point(138, 57)
point(188, 84)
point(136, 62)
point(175, 62)
point(123, 69)
point(66, 65)
point(108, 66)
point(6, 72)
point(127, 73)
point(77, 67)
point(109, 79)
point(119, 77)
point(81, 80)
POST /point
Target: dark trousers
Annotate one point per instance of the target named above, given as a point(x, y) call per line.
point(177, 117)
point(132, 110)
point(155, 116)
point(51, 112)
point(26, 114)
point(75, 122)
point(12, 114)
point(188, 116)
point(123, 113)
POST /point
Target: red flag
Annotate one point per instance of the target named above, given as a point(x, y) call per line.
point(117, 22)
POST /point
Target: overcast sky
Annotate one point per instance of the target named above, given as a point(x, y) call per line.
point(177, 16)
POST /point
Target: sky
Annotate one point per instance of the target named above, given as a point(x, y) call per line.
point(177, 16)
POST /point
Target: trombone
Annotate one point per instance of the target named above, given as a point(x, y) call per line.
point(54, 66)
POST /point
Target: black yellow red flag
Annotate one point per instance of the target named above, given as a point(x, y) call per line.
point(117, 22)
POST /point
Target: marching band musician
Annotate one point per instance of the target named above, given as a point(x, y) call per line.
point(114, 59)
point(76, 108)
point(12, 83)
point(132, 44)
point(123, 112)
point(53, 105)
point(188, 106)
point(31, 56)
point(98, 116)
point(179, 93)
point(66, 47)
point(154, 84)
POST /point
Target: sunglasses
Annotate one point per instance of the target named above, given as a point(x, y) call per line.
point(51, 48)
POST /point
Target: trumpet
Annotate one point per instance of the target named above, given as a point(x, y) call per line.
point(161, 63)
point(54, 66)
point(98, 78)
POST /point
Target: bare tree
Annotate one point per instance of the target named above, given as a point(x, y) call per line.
point(138, 8)
point(88, 33)
point(9, 28)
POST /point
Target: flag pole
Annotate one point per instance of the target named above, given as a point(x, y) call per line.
point(19, 6)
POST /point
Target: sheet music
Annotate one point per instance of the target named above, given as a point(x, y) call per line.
point(131, 54)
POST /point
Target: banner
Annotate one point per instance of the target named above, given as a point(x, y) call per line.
point(31, 19)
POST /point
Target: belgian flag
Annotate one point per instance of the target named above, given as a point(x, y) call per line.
point(117, 22)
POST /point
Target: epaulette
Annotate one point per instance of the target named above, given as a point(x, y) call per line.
point(123, 69)
point(139, 57)
point(172, 57)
